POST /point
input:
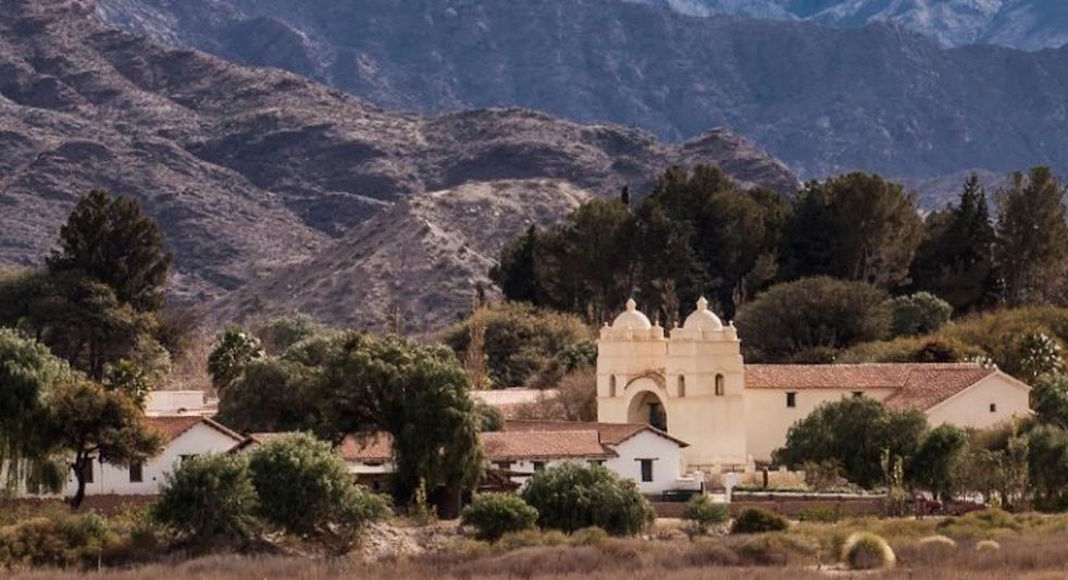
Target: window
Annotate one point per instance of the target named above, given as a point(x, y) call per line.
point(682, 385)
point(539, 466)
point(647, 469)
point(504, 465)
point(720, 385)
point(596, 462)
point(612, 386)
point(88, 471)
point(993, 407)
point(184, 458)
point(858, 394)
point(137, 474)
point(791, 400)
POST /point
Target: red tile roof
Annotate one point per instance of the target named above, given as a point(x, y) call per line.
point(173, 427)
point(611, 433)
point(518, 445)
point(367, 448)
point(916, 386)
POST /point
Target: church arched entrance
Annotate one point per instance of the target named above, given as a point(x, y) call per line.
point(646, 407)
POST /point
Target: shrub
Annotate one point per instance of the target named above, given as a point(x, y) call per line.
point(703, 513)
point(208, 497)
point(820, 514)
point(987, 546)
point(939, 544)
point(63, 540)
point(758, 521)
point(921, 313)
point(496, 514)
point(304, 488)
point(531, 538)
point(591, 536)
point(570, 497)
point(867, 551)
point(767, 550)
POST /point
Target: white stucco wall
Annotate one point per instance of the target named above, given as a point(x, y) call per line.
point(667, 462)
point(112, 480)
point(768, 418)
point(971, 407)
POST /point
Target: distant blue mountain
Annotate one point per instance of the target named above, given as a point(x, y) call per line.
point(1024, 24)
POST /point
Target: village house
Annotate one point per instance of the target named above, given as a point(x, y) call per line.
point(183, 437)
point(694, 385)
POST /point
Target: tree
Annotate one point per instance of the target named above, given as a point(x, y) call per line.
point(1038, 354)
point(523, 345)
point(856, 432)
point(570, 497)
point(955, 260)
point(920, 313)
point(271, 395)
point(575, 399)
point(93, 423)
point(816, 313)
point(209, 497)
point(933, 465)
point(419, 394)
point(1049, 399)
point(304, 487)
point(496, 514)
point(516, 274)
point(236, 349)
point(855, 227)
point(29, 375)
point(278, 334)
point(113, 241)
point(1032, 242)
point(1047, 466)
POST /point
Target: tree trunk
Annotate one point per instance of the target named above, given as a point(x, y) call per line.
point(79, 474)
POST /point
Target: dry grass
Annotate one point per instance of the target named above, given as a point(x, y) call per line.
point(1032, 548)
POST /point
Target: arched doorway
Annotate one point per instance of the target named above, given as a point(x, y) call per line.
point(646, 407)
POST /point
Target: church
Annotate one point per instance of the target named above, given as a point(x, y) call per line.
point(694, 384)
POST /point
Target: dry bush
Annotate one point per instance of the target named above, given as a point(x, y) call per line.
point(575, 399)
point(987, 546)
point(867, 551)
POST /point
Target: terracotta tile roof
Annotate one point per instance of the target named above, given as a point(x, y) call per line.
point(917, 386)
point(174, 426)
point(927, 387)
point(369, 448)
point(517, 445)
point(611, 433)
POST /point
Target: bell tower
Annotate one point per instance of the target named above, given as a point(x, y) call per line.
point(630, 371)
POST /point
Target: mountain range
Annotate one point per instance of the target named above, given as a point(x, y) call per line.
point(255, 172)
point(824, 100)
point(1024, 24)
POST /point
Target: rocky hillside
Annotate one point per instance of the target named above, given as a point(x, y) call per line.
point(250, 170)
point(417, 264)
point(823, 100)
point(1024, 24)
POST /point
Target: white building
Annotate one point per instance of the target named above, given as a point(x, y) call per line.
point(695, 386)
point(649, 457)
point(183, 436)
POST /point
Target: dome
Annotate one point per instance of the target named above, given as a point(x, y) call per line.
point(703, 318)
point(632, 318)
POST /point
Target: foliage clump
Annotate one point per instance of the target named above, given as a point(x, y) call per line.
point(60, 540)
point(208, 498)
point(867, 551)
point(304, 487)
point(758, 521)
point(496, 514)
point(571, 497)
point(702, 513)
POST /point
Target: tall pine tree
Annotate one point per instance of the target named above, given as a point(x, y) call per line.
point(1032, 244)
point(956, 258)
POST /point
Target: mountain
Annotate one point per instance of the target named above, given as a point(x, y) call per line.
point(251, 171)
point(823, 100)
point(1023, 24)
point(418, 262)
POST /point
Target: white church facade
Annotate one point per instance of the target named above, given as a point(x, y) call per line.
point(694, 384)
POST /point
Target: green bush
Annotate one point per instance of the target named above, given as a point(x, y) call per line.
point(867, 551)
point(820, 514)
point(703, 513)
point(496, 514)
point(209, 497)
point(531, 538)
point(64, 540)
point(571, 497)
point(758, 521)
point(921, 313)
point(304, 488)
